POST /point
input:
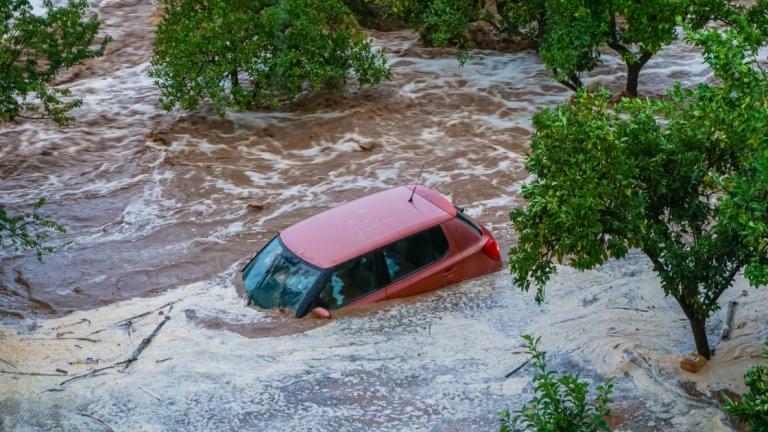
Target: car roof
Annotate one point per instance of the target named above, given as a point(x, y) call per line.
point(359, 226)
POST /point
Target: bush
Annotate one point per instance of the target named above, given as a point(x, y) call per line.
point(560, 404)
point(753, 407)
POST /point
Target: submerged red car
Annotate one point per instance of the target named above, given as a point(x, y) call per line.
point(395, 243)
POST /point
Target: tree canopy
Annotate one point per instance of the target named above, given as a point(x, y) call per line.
point(684, 179)
point(35, 48)
point(239, 54)
point(568, 35)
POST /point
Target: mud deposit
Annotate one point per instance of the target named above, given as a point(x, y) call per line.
point(165, 207)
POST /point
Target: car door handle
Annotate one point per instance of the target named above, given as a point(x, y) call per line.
point(449, 271)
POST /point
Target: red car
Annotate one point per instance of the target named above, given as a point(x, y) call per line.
point(395, 243)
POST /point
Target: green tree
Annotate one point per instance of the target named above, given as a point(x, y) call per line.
point(240, 54)
point(752, 409)
point(685, 180)
point(560, 403)
point(35, 48)
point(27, 230)
point(569, 35)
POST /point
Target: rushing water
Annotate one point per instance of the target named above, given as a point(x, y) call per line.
point(153, 200)
point(171, 204)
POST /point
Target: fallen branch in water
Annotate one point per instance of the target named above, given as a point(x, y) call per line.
point(71, 324)
point(149, 393)
point(31, 373)
point(517, 369)
point(632, 309)
point(729, 320)
point(85, 339)
point(127, 362)
point(98, 420)
point(8, 363)
point(145, 343)
point(133, 318)
point(93, 372)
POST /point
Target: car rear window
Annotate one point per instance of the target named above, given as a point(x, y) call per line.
point(410, 254)
point(468, 220)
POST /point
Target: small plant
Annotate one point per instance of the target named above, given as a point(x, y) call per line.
point(560, 404)
point(753, 407)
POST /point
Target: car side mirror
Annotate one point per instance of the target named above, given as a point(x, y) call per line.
point(320, 313)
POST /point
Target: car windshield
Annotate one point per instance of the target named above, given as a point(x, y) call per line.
point(276, 277)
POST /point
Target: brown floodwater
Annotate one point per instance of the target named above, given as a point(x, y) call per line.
point(154, 200)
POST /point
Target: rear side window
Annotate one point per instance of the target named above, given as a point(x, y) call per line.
point(350, 281)
point(410, 254)
point(468, 221)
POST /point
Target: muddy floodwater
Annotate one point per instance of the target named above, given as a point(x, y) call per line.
point(162, 209)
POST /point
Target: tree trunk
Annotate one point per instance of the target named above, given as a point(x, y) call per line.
point(633, 75)
point(233, 79)
point(698, 327)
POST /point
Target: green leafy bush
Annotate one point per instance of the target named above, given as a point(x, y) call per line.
point(27, 230)
point(246, 53)
point(35, 48)
point(752, 409)
point(560, 403)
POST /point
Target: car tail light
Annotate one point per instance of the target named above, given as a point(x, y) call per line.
point(492, 249)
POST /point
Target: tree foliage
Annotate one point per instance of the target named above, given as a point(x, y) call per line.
point(569, 35)
point(752, 409)
point(685, 180)
point(35, 48)
point(560, 403)
point(239, 54)
point(27, 230)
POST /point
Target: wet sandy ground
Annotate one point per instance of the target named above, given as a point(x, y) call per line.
point(163, 207)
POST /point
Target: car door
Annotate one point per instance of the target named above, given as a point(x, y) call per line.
point(355, 281)
point(419, 263)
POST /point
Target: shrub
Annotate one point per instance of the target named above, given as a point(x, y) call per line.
point(560, 403)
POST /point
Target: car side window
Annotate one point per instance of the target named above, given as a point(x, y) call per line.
point(350, 281)
point(410, 254)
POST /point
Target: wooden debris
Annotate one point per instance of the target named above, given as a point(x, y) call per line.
point(72, 324)
point(127, 362)
point(163, 360)
point(149, 393)
point(730, 311)
point(99, 421)
point(90, 373)
point(145, 343)
point(30, 373)
point(517, 369)
point(133, 318)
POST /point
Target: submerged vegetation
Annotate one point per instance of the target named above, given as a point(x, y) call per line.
point(245, 54)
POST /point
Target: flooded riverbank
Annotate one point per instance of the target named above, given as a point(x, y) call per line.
point(162, 209)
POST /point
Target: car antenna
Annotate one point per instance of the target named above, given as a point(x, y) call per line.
point(410, 200)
